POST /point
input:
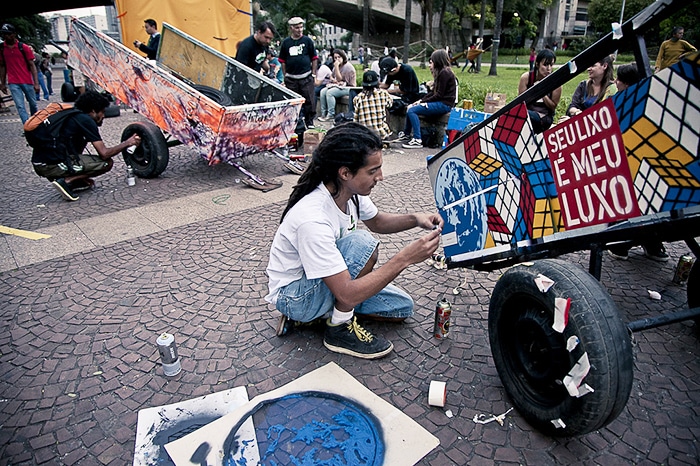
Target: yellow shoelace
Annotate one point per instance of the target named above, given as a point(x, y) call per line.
point(362, 334)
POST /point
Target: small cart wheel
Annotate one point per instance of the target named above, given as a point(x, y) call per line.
point(68, 92)
point(532, 358)
point(693, 290)
point(151, 157)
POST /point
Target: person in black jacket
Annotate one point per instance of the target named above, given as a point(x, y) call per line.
point(150, 49)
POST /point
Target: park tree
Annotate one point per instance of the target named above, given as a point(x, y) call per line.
point(34, 30)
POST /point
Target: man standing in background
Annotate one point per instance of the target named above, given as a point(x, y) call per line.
point(18, 71)
point(253, 50)
point(672, 50)
point(151, 50)
point(299, 61)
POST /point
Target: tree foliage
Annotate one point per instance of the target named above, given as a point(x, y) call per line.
point(34, 30)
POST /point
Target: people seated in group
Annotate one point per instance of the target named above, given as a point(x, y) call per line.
point(437, 102)
point(391, 72)
point(541, 112)
point(372, 104)
point(69, 170)
point(628, 75)
point(343, 77)
point(598, 87)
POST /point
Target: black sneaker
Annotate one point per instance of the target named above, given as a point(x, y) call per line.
point(403, 137)
point(655, 251)
point(350, 338)
point(62, 187)
point(286, 325)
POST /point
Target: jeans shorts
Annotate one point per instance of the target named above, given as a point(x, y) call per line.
point(305, 300)
point(89, 163)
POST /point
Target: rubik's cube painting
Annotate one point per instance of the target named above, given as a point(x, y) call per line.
point(495, 187)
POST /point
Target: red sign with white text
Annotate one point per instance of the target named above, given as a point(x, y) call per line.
point(590, 168)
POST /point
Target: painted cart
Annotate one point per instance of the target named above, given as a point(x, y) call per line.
point(625, 170)
point(192, 92)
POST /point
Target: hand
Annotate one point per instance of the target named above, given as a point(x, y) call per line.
point(134, 140)
point(137, 44)
point(429, 221)
point(422, 248)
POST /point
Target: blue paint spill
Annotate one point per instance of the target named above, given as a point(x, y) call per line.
point(312, 428)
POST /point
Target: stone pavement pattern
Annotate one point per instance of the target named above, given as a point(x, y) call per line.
point(77, 332)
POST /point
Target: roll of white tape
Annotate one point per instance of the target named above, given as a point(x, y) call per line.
point(437, 395)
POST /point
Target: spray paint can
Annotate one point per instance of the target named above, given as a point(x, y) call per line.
point(168, 354)
point(130, 178)
point(685, 263)
point(443, 310)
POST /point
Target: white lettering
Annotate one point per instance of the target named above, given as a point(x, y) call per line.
point(619, 185)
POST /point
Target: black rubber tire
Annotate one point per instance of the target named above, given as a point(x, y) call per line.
point(151, 157)
point(68, 92)
point(532, 359)
point(112, 111)
point(214, 94)
point(693, 290)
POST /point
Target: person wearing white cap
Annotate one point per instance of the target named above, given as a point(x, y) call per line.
point(299, 61)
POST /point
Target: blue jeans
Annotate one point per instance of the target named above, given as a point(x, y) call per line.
point(42, 84)
point(432, 109)
point(305, 300)
point(328, 96)
point(19, 92)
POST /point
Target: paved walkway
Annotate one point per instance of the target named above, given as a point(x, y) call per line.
point(186, 253)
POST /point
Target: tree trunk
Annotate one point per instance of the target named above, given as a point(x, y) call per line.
point(365, 22)
point(496, 38)
point(407, 31)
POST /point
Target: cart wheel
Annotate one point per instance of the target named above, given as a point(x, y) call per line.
point(68, 92)
point(532, 358)
point(214, 94)
point(112, 110)
point(693, 290)
point(151, 157)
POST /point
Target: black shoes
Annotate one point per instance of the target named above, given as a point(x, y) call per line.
point(65, 191)
point(350, 338)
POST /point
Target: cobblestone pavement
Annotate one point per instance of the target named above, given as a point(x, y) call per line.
point(77, 333)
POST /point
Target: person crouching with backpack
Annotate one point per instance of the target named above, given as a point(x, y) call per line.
point(68, 169)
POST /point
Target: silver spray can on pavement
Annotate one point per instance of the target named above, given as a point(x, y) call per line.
point(130, 178)
point(168, 354)
point(685, 263)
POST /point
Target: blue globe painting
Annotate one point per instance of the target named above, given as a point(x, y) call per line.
point(465, 223)
point(311, 429)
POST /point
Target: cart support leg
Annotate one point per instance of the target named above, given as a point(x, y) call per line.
point(595, 263)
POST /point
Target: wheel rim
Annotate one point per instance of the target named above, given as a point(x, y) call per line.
point(142, 154)
point(534, 351)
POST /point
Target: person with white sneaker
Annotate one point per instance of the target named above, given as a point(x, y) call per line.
point(323, 266)
point(437, 102)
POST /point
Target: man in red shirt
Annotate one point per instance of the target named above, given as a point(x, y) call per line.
point(18, 71)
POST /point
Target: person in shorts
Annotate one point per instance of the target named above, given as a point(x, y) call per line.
point(70, 170)
point(323, 266)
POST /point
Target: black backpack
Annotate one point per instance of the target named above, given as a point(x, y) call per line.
point(43, 129)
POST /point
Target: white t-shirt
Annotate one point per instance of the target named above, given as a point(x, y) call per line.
point(305, 241)
point(323, 74)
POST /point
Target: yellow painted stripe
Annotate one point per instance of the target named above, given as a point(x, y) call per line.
point(23, 233)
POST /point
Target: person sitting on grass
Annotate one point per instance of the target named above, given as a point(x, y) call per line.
point(437, 102)
point(371, 105)
point(323, 266)
point(541, 112)
point(71, 170)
